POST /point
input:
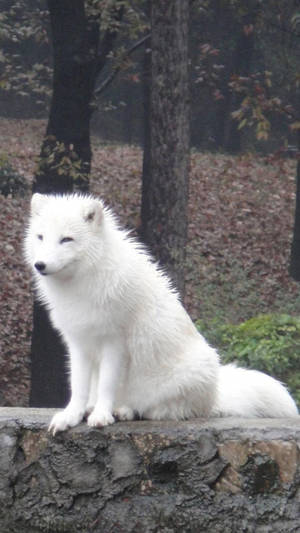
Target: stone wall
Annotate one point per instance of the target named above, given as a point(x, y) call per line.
point(225, 475)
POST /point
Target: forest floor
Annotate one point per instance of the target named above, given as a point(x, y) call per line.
point(240, 227)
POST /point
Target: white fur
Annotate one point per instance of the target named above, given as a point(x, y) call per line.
point(251, 394)
point(132, 346)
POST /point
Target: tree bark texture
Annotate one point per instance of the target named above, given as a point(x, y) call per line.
point(49, 382)
point(66, 153)
point(242, 66)
point(295, 251)
point(165, 173)
point(228, 136)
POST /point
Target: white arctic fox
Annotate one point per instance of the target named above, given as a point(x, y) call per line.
point(132, 346)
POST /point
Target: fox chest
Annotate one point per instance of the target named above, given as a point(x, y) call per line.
point(73, 316)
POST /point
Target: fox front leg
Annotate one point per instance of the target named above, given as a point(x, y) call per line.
point(81, 368)
point(109, 375)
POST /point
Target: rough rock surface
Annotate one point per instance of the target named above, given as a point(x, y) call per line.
point(225, 475)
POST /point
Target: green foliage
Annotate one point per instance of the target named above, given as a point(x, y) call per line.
point(61, 159)
point(263, 92)
point(270, 343)
point(24, 53)
point(10, 181)
point(258, 106)
point(132, 23)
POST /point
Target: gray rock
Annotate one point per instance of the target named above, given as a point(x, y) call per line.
point(220, 475)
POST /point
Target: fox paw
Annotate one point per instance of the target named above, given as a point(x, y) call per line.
point(124, 413)
point(64, 419)
point(100, 418)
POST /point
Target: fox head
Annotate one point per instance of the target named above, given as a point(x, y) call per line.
point(60, 232)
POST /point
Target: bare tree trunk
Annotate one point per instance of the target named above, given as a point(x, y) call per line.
point(165, 172)
point(295, 251)
point(66, 153)
point(227, 134)
point(242, 61)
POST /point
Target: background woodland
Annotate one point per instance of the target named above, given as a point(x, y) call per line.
point(235, 198)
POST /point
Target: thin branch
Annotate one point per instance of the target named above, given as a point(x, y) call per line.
point(115, 72)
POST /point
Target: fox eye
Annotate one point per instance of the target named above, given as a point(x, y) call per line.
point(65, 239)
point(40, 237)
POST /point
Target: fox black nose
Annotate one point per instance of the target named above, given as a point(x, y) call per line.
point(40, 266)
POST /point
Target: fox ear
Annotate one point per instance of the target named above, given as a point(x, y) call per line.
point(37, 202)
point(93, 212)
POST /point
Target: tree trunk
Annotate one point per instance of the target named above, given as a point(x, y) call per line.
point(49, 383)
point(242, 61)
point(227, 134)
point(295, 251)
point(66, 152)
point(165, 172)
point(64, 163)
